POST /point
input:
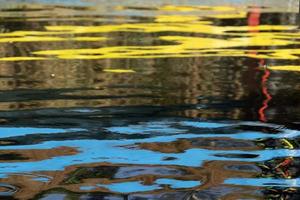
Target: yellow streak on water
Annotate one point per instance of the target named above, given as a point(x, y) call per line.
point(196, 8)
point(286, 68)
point(230, 40)
point(230, 16)
point(204, 27)
point(31, 33)
point(87, 39)
point(183, 47)
point(21, 58)
point(176, 18)
point(119, 70)
point(48, 39)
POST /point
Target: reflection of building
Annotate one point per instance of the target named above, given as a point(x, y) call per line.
point(173, 81)
point(214, 83)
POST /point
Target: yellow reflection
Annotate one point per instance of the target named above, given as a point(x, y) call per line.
point(215, 40)
point(204, 27)
point(48, 39)
point(184, 47)
point(21, 58)
point(30, 33)
point(119, 70)
point(196, 8)
point(286, 68)
point(230, 16)
point(176, 18)
point(87, 39)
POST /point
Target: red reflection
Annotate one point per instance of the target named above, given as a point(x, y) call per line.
point(268, 97)
point(254, 17)
point(254, 20)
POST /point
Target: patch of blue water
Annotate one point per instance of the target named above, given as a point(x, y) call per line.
point(129, 187)
point(41, 179)
point(87, 188)
point(137, 186)
point(204, 124)
point(115, 151)
point(263, 182)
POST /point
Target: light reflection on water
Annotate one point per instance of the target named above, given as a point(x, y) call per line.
point(153, 101)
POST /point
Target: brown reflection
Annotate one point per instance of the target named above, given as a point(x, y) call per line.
point(157, 82)
point(212, 174)
point(35, 154)
point(181, 145)
point(162, 78)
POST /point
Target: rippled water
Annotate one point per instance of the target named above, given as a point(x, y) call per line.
point(170, 100)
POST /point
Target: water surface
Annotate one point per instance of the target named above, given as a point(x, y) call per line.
point(149, 100)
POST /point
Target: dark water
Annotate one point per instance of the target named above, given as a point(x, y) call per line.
point(149, 100)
